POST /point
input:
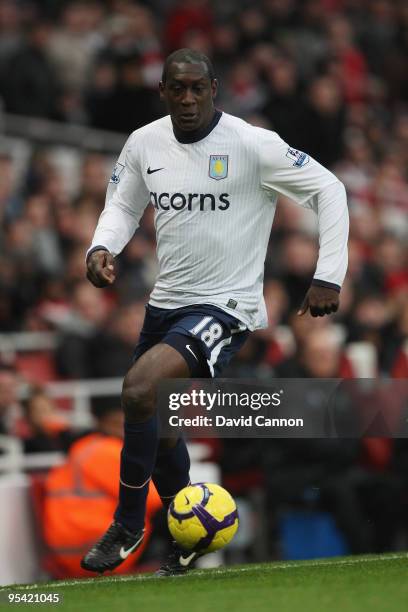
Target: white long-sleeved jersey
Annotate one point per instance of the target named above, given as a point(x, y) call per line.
point(214, 202)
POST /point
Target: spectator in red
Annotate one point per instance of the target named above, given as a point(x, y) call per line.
point(188, 16)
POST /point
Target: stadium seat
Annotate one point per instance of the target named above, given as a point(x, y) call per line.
point(310, 535)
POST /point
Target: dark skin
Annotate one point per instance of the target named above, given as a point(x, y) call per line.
point(320, 301)
point(189, 95)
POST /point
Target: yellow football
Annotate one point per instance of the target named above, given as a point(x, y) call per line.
point(203, 517)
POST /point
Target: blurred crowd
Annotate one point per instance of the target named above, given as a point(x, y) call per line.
point(330, 77)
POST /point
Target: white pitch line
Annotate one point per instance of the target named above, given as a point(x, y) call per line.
point(221, 570)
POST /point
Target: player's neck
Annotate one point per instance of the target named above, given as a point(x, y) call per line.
point(195, 135)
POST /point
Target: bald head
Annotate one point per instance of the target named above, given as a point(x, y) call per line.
point(321, 353)
point(188, 56)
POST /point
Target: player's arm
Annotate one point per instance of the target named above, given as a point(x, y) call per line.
point(303, 179)
point(126, 198)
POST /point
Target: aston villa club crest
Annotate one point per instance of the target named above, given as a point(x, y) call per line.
point(218, 167)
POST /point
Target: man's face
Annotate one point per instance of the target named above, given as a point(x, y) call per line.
point(189, 95)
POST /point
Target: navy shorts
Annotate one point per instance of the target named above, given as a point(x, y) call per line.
point(206, 336)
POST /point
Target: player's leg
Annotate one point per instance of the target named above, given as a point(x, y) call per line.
point(172, 469)
point(171, 472)
point(138, 454)
point(141, 428)
point(212, 341)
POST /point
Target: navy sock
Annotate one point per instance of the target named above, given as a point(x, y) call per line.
point(136, 465)
point(171, 472)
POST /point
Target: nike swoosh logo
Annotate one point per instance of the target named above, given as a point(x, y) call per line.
point(193, 354)
point(125, 553)
point(184, 561)
point(155, 170)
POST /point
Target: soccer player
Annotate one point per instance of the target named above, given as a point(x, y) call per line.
point(213, 181)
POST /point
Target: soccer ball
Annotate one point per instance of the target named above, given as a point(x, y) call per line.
point(203, 517)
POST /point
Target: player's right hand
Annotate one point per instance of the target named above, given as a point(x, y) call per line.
point(100, 268)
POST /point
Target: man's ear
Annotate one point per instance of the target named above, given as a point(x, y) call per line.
point(161, 90)
point(214, 88)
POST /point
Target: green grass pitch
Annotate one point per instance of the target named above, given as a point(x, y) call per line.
point(349, 584)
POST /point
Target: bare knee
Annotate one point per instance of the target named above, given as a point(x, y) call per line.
point(138, 398)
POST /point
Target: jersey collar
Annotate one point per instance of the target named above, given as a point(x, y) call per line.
point(197, 135)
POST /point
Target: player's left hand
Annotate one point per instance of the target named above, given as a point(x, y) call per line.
point(320, 301)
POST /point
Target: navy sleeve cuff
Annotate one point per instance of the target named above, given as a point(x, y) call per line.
point(321, 283)
point(95, 248)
